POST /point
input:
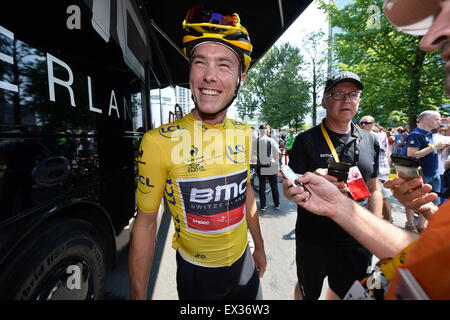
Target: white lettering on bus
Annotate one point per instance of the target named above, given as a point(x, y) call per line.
point(7, 59)
point(52, 80)
point(126, 110)
point(91, 107)
point(113, 104)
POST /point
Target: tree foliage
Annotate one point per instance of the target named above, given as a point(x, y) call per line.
point(399, 78)
point(315, 47)
point(275, 90)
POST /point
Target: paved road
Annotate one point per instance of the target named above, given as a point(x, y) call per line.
point(277, 227)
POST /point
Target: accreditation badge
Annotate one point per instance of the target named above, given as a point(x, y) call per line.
point(356, 184)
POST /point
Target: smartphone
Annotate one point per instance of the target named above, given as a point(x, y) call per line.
point(289, 174)
point(408, 166)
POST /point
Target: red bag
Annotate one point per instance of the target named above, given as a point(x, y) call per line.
point(356, 184)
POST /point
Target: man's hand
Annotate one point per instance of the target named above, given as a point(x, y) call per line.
point(321, 198)
point(259, 256)
point(440, 145)
point(341, 185)
point(413, 194)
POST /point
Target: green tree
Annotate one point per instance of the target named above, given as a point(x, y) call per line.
point(276, 90)
point(315, 47)
point(398, 76)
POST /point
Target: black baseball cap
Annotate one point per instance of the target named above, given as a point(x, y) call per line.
point(342, 77)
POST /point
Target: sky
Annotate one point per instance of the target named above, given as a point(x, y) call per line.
point(312, 19)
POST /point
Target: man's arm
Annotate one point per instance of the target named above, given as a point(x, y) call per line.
point(142, 247)
point(416, 153)
point(375, 204)
point(259, 255)
point(380, 237)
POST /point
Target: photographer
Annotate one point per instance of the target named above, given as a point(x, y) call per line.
point(323, 248)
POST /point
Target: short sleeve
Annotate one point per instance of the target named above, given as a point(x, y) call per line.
point(153, 172)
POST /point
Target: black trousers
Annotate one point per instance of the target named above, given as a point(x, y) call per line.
point(262, 189)
point(343, 264)
point(239, 281)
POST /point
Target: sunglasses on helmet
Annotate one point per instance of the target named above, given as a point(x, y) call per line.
point(198, 14)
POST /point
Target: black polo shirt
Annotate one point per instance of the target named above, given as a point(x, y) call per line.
point(310, 152)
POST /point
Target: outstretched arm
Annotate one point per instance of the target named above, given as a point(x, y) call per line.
point(323, 198)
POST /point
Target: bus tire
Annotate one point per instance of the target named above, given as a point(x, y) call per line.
point(61, 261)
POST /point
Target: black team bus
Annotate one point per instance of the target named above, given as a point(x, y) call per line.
point(75, 87)
point(72, 91)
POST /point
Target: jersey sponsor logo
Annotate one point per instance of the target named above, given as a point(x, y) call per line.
point(140, 155)
point(144, 185)
point(194, 167)
point(237, 124)
point(236, 153)
point(214, 204)
point(171, 131)
point(170, 193)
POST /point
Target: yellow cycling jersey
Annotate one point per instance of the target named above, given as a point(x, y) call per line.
point(203, 171)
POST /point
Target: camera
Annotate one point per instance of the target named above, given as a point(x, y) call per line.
point(339, 170)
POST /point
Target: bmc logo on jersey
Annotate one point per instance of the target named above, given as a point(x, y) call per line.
point(214, 204)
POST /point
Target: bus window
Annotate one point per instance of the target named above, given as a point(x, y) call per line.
point(70, 106)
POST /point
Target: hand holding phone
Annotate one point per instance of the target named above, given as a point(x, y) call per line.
point(290, 175)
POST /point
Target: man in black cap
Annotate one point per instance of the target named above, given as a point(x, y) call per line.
point(323, 248)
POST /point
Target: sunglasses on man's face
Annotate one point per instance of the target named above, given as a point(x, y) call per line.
point(365, 122)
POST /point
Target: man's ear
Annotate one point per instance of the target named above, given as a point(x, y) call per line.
point(324, 104)
point(243, 77)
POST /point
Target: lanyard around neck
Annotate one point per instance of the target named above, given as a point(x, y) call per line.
point(330, 144)
point(333, 150)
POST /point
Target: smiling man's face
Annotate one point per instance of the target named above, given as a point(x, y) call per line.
point(214, 76)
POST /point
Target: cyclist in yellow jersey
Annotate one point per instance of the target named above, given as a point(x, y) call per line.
point(200, 164)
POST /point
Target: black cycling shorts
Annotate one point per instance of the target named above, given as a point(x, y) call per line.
point(343, 264)
point(239, 281)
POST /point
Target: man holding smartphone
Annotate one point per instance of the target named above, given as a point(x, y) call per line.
point(323, 248)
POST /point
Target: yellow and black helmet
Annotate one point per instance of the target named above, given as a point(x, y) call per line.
point(203, 25)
